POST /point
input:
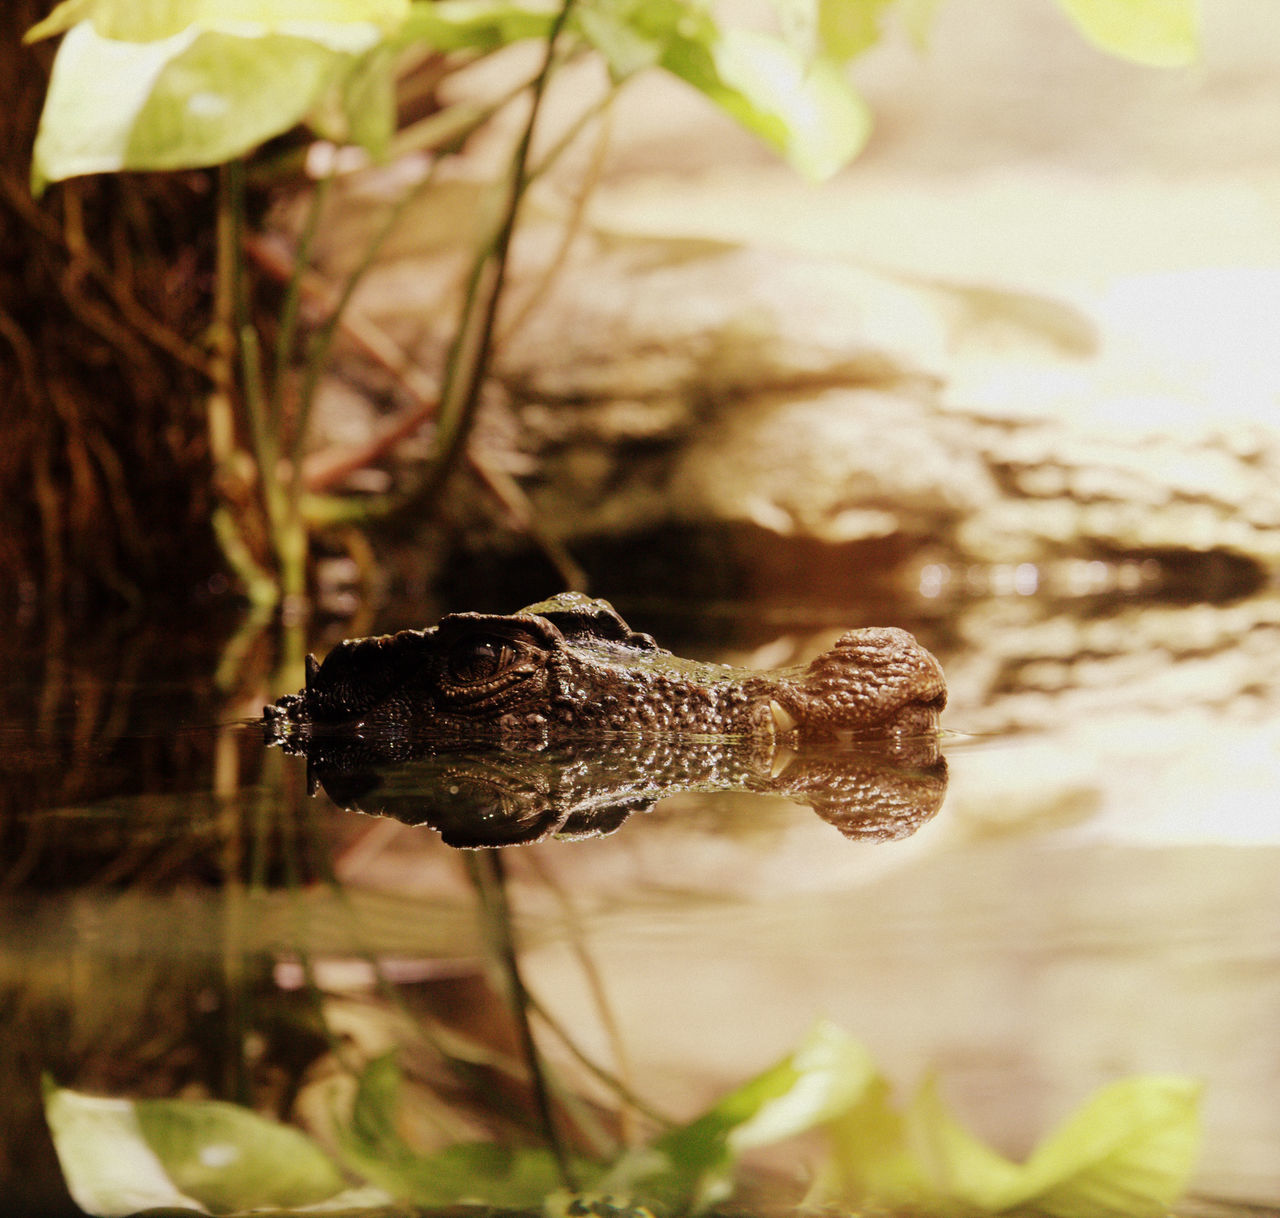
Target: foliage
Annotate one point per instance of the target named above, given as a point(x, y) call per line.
point(1162, 33)
point(197, 82)
point(194, 83)
point(187, 84)
point(1128, 1151)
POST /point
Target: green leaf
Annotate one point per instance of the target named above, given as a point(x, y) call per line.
point(627, 44)
point(808, 112)
point(473, 25)
point(120, 1156)
point(846, 28)
point(198, 98)
point(134, 21)
point(1128, 1151)
point(693, 1165)
point(108, 1166)
point(229, 1158)
point(224, 94)
point(367, 104)
point(481, 1172)
point(1161, 33)
point(799, 103)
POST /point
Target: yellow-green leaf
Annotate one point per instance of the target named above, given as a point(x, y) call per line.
point(197, 98)
point(693, 1165)
point(149, 20)
point(119, 1156)
point(1129, 1151)
point(1161, 33)
point(846, 28)
point(107, 1165)
point(871, 1157)
point(809, 112)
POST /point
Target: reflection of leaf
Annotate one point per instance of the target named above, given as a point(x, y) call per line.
point(473, 1171)
point(1028, 316)
point(871, 1154)
point(1128, 1151)
point(120, 1156)
point(106, 1162)
point(808, 1088)
point(1162, 33)
point(917, 19)
point(846, 28)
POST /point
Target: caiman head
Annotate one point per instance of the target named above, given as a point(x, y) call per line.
point(570, 666)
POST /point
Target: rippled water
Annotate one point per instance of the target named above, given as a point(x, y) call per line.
point(1087, 891)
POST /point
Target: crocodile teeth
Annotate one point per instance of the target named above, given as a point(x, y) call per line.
point(782, 757)
point(783, 720)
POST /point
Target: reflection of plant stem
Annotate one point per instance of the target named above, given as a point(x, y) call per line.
point(623, 1084)
point(620, 1087)
point(489, 878)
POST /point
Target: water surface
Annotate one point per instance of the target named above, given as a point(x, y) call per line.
point(1084, 892)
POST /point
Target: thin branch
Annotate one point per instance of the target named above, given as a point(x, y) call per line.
point(469, 355)
point(573, 225)
point(288, 331)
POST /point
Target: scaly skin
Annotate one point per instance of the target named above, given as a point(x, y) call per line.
point(571, 667)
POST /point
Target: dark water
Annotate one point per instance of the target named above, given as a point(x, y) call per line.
point(1086, 891)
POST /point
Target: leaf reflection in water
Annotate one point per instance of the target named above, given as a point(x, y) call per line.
point(476, 796)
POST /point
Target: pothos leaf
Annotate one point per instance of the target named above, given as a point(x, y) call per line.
point(197, 98)
point(846, 28)
point(119, 1156)
point(693, 1165)
point(473, 25)
point(135, 21)
point(485, 1172)
point(1128, 1151)
point(1161, 33)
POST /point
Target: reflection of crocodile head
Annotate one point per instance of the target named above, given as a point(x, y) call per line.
point(570, 667)
point(511, 794)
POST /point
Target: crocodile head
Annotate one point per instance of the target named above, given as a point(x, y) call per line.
point(570, 666)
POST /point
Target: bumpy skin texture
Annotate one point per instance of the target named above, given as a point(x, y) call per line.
point(570, 666)
point(501, 794)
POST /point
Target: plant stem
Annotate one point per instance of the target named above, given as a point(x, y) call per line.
point(223, 446)
point(280, 501)
point(288, 331)
point(468, 359)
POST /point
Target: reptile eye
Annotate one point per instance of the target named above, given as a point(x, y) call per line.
point(479, 659)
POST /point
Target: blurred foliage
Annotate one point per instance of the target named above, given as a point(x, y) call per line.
point(1127, 1151)
point(181, 85)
